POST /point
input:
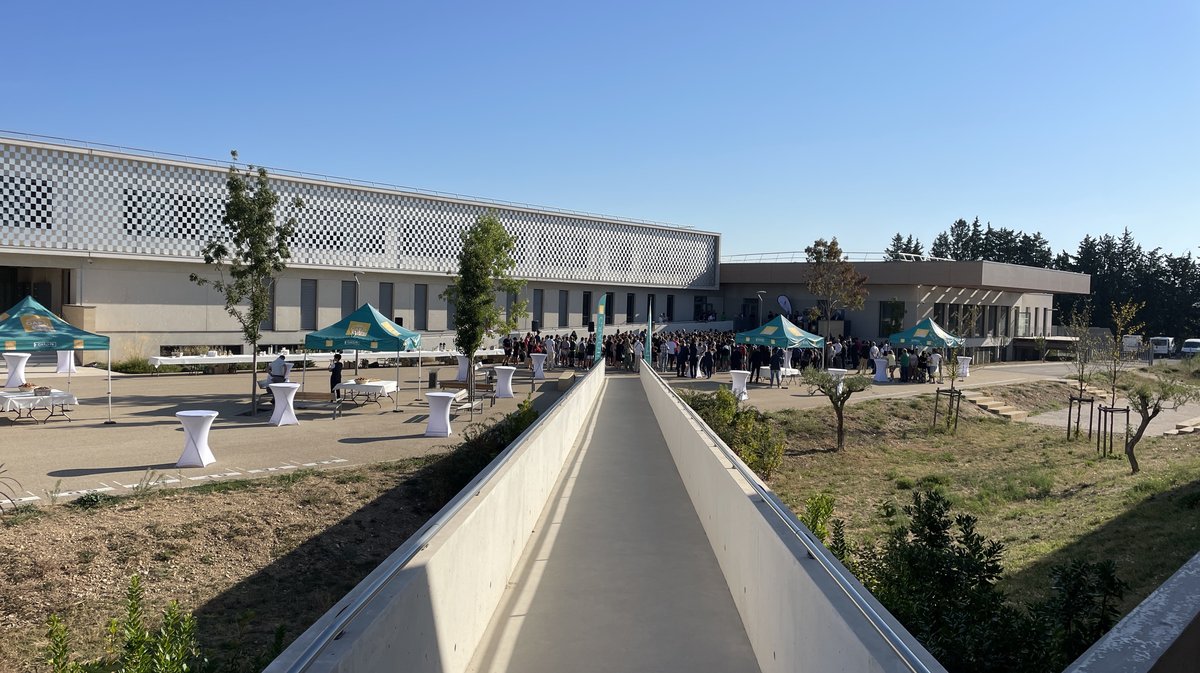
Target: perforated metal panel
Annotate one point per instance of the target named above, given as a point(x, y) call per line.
point(72, 199)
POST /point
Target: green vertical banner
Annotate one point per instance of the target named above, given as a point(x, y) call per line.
point(600, 326)
point(647, 345)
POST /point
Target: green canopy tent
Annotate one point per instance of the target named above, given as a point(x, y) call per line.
point(926, 333)
point(780, 333)
point(31, 327)
point(367, 329)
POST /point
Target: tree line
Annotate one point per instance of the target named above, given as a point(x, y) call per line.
point(1122, 271)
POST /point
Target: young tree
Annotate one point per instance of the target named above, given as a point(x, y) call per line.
point(1115, 362)
point(1078, 327)
point(838, 391)
point(1149, 398)
point(833, 280)
point(485, 266)
point(254, 249)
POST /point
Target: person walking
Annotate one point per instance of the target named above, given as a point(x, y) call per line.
point(776, 367)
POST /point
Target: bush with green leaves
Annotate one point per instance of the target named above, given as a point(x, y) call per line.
point(937, 575)
point(743, 429)
point(133, 646)
point(482, 442)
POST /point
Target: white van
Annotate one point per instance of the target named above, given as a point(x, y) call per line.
point(1164, 347)
point(1191, 348)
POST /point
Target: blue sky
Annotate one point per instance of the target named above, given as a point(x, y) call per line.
point(772, 123)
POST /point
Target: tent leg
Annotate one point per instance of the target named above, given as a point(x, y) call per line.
point(303, 366)
point(110, 420)
point(419, 374)
point(396, 401)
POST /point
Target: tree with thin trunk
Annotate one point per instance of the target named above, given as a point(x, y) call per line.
point(1149, 399)
point(838, 392)
point(253, 249)
point(1115, 360)
point(1078, 328)
point(485, 266)
point(833, 280)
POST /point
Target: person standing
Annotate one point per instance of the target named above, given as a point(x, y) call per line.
point(776, 368)
point(335, 373)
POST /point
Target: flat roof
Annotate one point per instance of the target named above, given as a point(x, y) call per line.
point(968, 274)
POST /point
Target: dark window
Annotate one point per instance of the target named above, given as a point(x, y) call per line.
point(538, 313)
point(670, 307)
point(585, 308)
point(564, 314)
point(891, 317)
point(610, 308)
point(510, 298)
point(450, 321)
point(308, 304)
point(630, 307)
point(387, 304)
point(349, 297)
point(420, 307)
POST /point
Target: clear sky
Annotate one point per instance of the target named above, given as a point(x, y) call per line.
point(772, 123)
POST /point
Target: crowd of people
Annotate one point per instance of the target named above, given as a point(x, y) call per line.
point(702, 353)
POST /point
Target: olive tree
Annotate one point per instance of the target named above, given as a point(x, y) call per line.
point(1149, 399)
point(838, 390)
point(253, 249)
point(485, 266)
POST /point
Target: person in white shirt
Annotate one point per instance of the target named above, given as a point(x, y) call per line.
point(669, 353)
point(638, 351)
point(551, 352)
point(935, 365)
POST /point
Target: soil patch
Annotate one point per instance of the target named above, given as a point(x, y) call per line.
point(1036, 397)
point(248, 557)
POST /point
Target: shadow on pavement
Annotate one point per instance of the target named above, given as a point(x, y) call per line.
point(86, 471)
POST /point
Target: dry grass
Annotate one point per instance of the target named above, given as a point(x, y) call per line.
point(1047, 499)
point(246, 556)
point(1036, 397)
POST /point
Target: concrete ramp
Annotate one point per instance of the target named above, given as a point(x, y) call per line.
point(619, 575)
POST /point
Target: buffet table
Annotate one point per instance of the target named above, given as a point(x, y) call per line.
point(22, 403)
point(370, 391)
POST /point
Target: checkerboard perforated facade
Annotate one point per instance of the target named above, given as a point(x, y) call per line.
point(65, 198)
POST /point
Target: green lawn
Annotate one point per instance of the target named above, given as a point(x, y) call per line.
point(1047, 499)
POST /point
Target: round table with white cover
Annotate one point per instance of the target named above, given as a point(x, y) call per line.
point(196, 424)
point(740, 377)
point(16, 369)
point(504, 377)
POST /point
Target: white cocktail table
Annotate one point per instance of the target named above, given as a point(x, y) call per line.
point(740, 377)
point(16, 369)
point(66, 362)
point(196, 424)
point(504, 376)
point(439, 414)
point(285, 412)
point(880, 370)
point(964, 366)
point(463, 363)
point(838, 375)
point(539, 359)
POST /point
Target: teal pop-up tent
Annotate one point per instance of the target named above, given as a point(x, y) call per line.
point(367, 329)
point(780, 333)
point(926, 333)
point(30, 327)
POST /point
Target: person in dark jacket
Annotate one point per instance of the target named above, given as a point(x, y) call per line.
point(776, 368)
point(335, 372)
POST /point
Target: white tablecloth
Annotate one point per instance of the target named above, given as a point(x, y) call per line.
point(372, 390)
point(24, 402)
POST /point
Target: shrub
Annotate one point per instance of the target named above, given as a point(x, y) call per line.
point(817, 511)
point(94, 501)
point(745, 430)
point(481, 444)
point(140, 365)
point(135, 648)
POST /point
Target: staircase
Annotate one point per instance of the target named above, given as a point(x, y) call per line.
point(1184, 427)
point(994, 406)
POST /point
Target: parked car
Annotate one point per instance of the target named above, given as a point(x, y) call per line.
point(1164, 347)
point(1191, 348)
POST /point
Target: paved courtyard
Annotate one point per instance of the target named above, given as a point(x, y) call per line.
point(85, 454)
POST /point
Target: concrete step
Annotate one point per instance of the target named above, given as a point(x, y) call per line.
point(1191, 422)
point(1188, 430)
point(1170, 433)
point(1015, 415)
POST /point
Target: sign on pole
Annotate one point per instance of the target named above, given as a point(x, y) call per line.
point(647, 355)
point(600, 327)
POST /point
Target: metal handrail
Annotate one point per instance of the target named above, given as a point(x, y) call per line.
point(418, 542)
point(215, 163)
point(815, 549)
point(797, 256)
